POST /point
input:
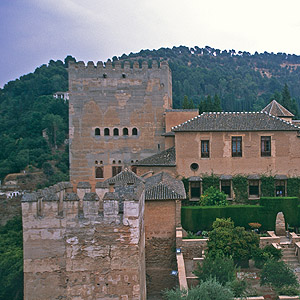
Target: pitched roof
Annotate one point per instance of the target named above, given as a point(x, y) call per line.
point(276, 109)
point(163, 186)
point(236, 121)
point(123, 178)
point(165, 158)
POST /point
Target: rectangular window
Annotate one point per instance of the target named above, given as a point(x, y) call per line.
point(226, 187)
point(205, 148)
point(195, 190)
point(236, 144)
point(265, 146)
point(280, 188)
point(116, 170)
point(253, 188)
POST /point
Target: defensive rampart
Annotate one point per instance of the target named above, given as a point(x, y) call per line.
point(75, 248)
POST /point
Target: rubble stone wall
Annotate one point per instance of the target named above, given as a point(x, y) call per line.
point(73, 251)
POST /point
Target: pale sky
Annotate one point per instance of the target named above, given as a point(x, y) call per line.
point(34, 31)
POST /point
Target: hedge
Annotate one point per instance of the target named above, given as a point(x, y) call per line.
point(196, 218)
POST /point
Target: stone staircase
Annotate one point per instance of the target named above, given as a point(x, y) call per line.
point(289, 257)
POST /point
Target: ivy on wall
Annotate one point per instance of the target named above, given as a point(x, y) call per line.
point(210, 180)
point(293, 187)
point(240, 188)
point(267, 186)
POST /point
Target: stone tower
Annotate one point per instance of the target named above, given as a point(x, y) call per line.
point(116, 116)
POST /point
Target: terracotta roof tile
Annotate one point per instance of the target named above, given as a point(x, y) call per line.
point(236, 121)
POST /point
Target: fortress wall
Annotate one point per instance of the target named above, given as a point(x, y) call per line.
point(160, 229)
point(81, 253)
point(115, 98)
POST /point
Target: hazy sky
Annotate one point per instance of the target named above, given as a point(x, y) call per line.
point(34, 31)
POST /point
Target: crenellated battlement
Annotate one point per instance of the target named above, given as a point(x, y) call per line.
point(108, 204)
point(117, 69)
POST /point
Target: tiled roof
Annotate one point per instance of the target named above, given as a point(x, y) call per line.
point(165, 158)
point(236, 121)
point(276, 109)
point(123, 178)
point(180, 109)
point(163, 186)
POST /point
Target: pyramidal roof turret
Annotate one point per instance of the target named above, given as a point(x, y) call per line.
point(277, 110)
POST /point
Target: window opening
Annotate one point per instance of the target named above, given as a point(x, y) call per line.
point(97, 131)
point(195, 189)
point(236, 143)
point(116, 131)
point(280, 188)
point(253, 188)
point(106, 131)
point(116, 170)
point(99, 172)
point(226, 187)
point(205, 148)
point(125, 131)
point(194, 166)
point(134, 131)
point(265, 146)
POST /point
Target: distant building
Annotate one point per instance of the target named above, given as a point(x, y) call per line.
point(61, 95)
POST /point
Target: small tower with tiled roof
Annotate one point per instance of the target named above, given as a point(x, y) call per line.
point(276, 109)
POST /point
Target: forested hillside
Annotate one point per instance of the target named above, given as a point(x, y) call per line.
point(244, 82)
point(27, 108)
point(211, 78)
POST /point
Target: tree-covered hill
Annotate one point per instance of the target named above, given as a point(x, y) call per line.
point(236, 81)
point(27, 108)
point(244, 82)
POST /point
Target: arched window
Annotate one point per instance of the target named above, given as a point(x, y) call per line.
point(125, 131)
point(106, 131)
point(116, 131)
point(99, 172)
point(97, 131)
point(134, 131)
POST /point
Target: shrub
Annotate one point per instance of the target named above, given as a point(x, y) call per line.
point(277, 274)
point(238, 287)
point(221, 268)
point(213, 196)
point(207, 290)
point(288, 291)
point(235, 242)
point(261, 256)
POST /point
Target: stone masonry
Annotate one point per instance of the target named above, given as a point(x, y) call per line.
point(74, 250)
point(116, 116)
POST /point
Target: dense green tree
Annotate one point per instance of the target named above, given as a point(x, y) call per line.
point(231, 241)
point(277, 274)
point(27, 107)
point(220, 267)
point(11, 260)
point(207, 290)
